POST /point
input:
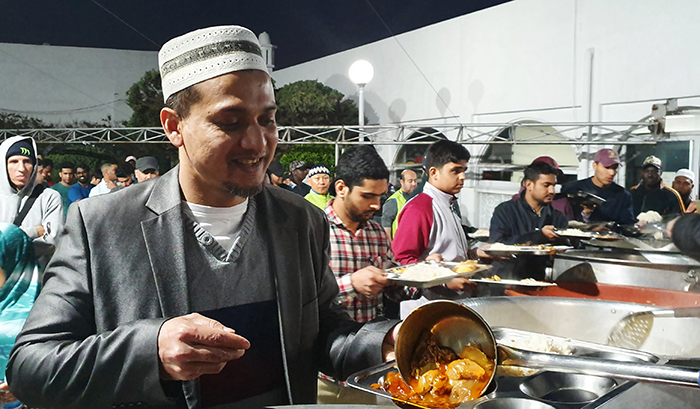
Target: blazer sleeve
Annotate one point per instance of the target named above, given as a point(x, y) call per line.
point(60, 361)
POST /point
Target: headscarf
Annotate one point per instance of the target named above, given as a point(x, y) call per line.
point(21, 287)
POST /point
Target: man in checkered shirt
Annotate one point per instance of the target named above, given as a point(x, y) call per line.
point(359, 248)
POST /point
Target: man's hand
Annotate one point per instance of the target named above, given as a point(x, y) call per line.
point(461, 284)
point(587, 210)
point(368, 281)
point(389, 343)
point(549, 233)
point(482, 254)
point(194, 345)
point(40, 231)
point(434, 257)
point(669, 227)
point(691, 208)
point(5, 394)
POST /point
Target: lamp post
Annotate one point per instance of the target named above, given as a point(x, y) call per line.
point(361, 72)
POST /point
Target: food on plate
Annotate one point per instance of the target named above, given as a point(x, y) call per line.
point(423, 272)
point(480, 233)
point(534, 343)
point(466, 266)
point(441, 378)
point(573, 233)
point(504, 247)
point(519, 247)
point(649, 217)
point(493, 278)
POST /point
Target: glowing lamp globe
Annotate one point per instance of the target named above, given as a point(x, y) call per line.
point(361, 72)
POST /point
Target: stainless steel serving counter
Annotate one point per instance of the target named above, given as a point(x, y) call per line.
point(643, 269)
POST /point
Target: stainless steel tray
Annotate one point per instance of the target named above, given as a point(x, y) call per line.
point(396, 278)
point(527, 250)
point(508, 386)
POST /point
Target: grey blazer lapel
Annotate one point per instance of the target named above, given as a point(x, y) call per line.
point(165, 244)
point(164, 236)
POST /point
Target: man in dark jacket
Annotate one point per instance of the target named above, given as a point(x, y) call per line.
point(529, 220)
point(652, 194)
point(204, 288)
point(618, 202)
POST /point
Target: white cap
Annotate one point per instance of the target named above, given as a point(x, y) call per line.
point(687, 173)
point(207, 53)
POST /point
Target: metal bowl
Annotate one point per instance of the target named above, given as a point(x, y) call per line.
point(512, 403)
point(454, 325)
point(567, 388)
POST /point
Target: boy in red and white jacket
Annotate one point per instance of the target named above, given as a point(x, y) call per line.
point(428, 227)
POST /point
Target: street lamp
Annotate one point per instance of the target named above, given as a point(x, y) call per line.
point(361, 72)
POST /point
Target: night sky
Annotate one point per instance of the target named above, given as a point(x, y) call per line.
point(301, 30)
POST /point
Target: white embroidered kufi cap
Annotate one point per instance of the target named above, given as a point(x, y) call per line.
point(207, 53)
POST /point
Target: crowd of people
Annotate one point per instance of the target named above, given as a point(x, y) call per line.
point(229, 282)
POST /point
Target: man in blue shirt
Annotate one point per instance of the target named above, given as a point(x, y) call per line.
point(618, 201)
point(80, 190)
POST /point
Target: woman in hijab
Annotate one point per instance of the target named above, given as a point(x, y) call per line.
point(19, 287)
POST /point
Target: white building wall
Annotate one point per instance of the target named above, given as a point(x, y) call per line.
point(526, 59)
point(61, 85)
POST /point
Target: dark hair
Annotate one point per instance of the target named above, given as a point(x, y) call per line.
point(182, 101)
point(66, 165)
point(124, 170)
point(82, 166)
point(536, 169)
point(359, 163)
point(47, 162)
point(443, 152)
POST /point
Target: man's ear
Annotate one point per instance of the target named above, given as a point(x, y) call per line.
point(172, 125)
point(341, 189)
point(529, 184)
point(432, 173)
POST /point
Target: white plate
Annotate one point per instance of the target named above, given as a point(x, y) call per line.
point(505, 281)
point(398, 280)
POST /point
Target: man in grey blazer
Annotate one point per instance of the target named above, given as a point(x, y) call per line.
point(201, 288)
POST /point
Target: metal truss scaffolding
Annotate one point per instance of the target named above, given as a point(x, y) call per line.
point(568, 133)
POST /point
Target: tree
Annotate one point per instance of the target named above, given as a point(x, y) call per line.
point(311, 154)
point(10, 120)
point(145, 98)
point(310, 102)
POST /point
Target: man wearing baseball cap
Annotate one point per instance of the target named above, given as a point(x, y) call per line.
point(146, 168)
point(652, 194)
point(204, 287)
point(299, 169)
point(618, 201)
point(683, 183)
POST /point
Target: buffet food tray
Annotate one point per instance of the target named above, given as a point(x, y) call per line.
point(394, 274)
point(507, 385)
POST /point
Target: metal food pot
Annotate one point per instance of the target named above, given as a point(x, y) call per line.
point(454, 325)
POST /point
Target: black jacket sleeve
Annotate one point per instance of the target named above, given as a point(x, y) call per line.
point(686, 235)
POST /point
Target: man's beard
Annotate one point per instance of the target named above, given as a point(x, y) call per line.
point(239, 191)
point(355, 214)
